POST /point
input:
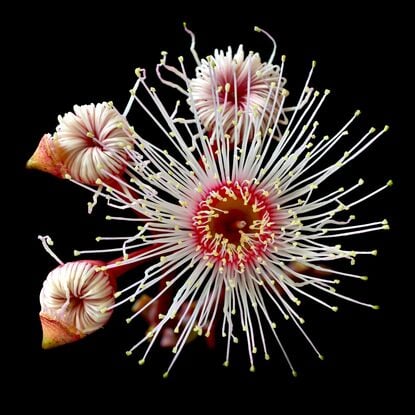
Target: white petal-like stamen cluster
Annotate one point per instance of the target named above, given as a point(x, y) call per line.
point(224, 218)
point(225, 78)
point(229, 83)
point(91, 138)
point(75, 293)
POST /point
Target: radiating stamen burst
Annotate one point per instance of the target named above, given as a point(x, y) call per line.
point(225, 218)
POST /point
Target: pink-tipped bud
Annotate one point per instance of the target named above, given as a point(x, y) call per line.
point(74, 302)
point(46, 158)
point(56, 333)
point(89, 144)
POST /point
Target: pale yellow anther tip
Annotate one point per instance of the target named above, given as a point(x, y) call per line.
point(357, 113)
point(226, 363)
point(68, 176)
point(364, 277)
point(165, 375)
point(128, 320)
point(321, 357)
point(252, 369)
point(128, 353)
point(375, 307)
point(137, 71)
point(117, 294)
point(103, 310)
point(141, 362)
point(335, 308)
point(76, 253)
point(294, 373)
point(389, 183)
point(386, 128)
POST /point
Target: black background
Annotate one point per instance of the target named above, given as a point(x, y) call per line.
point(81, 57)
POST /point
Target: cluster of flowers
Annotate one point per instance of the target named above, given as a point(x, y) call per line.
point(230, 219)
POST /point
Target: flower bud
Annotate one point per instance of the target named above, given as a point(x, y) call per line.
point(89, 144)
point(73, 301)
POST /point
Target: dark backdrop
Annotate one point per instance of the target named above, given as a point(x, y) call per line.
point(81, 58)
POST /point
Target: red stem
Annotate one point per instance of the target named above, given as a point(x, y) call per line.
point(122, 269)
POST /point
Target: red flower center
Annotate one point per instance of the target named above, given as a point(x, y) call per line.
point(234, 224)
point(235, 96)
